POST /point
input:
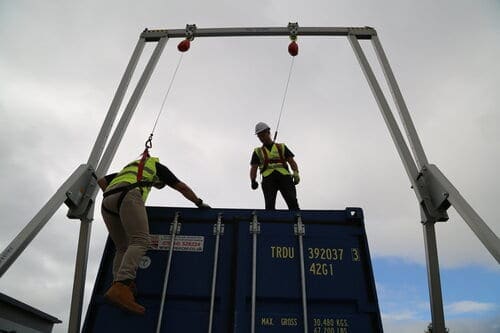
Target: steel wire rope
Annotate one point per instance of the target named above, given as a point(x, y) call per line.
point(164, 100)
point(284, 97)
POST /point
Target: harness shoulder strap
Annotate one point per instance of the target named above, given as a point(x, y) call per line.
point(281, 151)
point(264, 158)
point(140, 168)
point(265, 155)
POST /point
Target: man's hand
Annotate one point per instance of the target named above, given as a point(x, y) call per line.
point(296, 177)
point(255, 185)
point(201, 204)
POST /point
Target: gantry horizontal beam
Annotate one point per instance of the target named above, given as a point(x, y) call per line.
point(359, 32)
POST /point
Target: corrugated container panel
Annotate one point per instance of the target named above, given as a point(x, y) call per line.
point(340, 289)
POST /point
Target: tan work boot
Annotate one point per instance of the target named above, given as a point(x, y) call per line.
point(120, 295)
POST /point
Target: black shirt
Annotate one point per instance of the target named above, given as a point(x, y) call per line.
point(163, 173)
point(255, 158)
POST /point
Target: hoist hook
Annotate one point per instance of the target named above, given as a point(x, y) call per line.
point(184, 45)
point(293, 47)
point(190, 30)
point(293, 28)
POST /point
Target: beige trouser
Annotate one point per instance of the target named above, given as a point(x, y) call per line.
point(128, 228)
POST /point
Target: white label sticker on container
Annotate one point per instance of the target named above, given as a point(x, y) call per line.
point(145, 262)
point(181, 243)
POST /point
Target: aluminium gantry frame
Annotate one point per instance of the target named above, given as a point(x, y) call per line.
point(435, 193)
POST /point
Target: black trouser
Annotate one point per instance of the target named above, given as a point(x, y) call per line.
point(284, 183)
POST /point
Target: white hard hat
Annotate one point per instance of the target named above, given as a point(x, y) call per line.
point(261, 127)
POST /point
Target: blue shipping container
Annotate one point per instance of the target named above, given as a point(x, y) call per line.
point(258, 274)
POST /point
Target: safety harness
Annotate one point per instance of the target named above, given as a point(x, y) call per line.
point(138, 184)
point(266, 160)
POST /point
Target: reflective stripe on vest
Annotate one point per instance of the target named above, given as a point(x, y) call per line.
point(272, 160)
point(129, 175)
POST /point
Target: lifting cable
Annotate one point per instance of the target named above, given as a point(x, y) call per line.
point(148, 142)
point(293, 50)
point(183, 46)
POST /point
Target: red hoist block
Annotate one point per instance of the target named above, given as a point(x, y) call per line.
point(184, 45)
point(293, 48)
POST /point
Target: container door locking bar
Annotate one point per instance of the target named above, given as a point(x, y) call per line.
point(254, 230)
point(218, 231)
point(300, 230)
point(175, 228)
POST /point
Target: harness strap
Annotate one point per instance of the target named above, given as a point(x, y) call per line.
point(273, 160)
point(123, 190)
point(140, 168)
point(127, 188)
point(120, 200)
point(266, 158)
point(280, 146)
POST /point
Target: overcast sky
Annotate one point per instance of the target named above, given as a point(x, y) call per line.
point(61, 62)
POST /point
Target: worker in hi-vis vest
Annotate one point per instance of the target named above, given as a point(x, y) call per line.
point(272, 159)
point(124, 213)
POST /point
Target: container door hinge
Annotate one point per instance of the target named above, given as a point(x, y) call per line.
point(254, 225)
point(299, 228)
point(219, 226)
point(175, 224)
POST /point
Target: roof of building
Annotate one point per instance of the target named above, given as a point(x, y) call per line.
point(42, 315)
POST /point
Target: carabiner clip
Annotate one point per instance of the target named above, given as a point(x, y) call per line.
point(149, 142)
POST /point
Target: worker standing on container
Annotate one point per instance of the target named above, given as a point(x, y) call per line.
point(124, 213)
point(272, 159)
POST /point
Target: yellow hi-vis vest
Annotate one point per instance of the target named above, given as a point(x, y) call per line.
point(129, 175)
point(272, 160)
